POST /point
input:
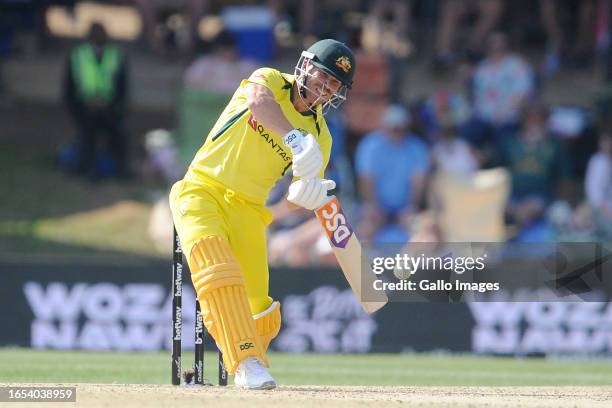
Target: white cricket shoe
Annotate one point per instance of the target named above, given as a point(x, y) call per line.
point(253, 375)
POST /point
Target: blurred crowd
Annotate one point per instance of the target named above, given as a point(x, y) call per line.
point(491, 160)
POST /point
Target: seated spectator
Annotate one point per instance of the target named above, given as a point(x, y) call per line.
point(598, 185)
point(500, 86)
point(539, 165)
point(391, 165)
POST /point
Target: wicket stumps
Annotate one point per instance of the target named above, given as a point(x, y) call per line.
point(177, 327)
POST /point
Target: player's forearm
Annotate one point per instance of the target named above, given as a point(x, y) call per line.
point(269, 114)
point(265, 110)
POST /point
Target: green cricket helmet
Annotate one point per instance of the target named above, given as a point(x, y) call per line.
point(332, 57)
point(335, 58)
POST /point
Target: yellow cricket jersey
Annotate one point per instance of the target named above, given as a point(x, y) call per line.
point(245, 156)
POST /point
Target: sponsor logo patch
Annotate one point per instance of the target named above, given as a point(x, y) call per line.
point(335, 224)
point(276, 146)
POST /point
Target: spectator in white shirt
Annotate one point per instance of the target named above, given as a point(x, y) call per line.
point(501, 84)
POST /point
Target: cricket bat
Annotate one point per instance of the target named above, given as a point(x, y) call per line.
point(344, 243)
point(347, 250)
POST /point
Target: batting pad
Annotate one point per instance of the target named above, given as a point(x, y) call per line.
point(268, 324)
point(223, 299)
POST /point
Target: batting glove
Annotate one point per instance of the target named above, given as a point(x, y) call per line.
point(310, 194)
point(308, 162)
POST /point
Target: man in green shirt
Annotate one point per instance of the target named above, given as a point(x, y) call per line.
point(95, 91)
point(539, 165)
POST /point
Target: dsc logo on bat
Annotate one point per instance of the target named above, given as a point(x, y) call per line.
point(336, 226)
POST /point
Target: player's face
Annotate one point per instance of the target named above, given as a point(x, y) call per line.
point(317, 87)
point(322, 86)
point(325, 84)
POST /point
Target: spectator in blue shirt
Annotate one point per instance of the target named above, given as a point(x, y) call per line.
point(391, 166)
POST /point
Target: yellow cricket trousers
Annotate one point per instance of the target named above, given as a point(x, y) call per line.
point(206, 208)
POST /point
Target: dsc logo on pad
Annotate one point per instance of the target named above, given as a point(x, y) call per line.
point(335, 223)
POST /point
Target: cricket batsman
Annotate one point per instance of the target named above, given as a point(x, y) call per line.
point(219, 207)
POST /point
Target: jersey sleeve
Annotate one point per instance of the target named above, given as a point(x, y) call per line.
point(271, 79)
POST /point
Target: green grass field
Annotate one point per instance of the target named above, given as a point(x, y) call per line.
point(27, 366)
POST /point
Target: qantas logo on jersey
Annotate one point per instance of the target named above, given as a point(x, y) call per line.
point(276, 146)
